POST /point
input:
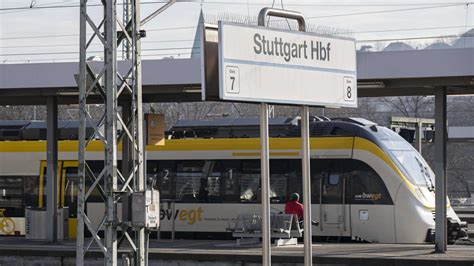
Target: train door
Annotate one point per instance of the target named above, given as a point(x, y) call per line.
point(334, 210)
point(67, 190)
point(69, 186)
point(42, 183)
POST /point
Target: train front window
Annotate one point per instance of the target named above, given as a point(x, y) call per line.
point(416, 168)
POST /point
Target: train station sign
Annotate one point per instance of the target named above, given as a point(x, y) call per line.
point(259, 64)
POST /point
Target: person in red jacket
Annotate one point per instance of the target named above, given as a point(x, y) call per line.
point(294, 207)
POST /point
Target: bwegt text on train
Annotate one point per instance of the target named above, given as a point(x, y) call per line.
point(314, 50)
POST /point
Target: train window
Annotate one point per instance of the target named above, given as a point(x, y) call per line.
point(337, 131)
point(250, 181)
point(334, 179)
point(230, 180)
point(366, 186)
point(198, 181)
point(212, 189)
point(279, 172)
point(152, 171)
point(230, 183)
point(71, 190)
point(333, 182)
point(31, 191)
point(11, 195)
point(164, 175)
point(319, 173)
point(165, 181)
point(188, 179)
point(294, 180)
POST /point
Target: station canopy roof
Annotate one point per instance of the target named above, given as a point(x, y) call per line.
point(386, 73)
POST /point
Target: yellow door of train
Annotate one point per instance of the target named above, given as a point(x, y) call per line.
point(67, 181)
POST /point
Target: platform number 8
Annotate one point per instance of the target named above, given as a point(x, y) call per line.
point(349, 92)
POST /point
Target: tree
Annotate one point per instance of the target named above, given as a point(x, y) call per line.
point(410, 106)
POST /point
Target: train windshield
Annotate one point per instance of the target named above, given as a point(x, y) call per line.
point(415, 167)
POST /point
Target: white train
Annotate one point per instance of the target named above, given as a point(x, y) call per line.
point(368, 183)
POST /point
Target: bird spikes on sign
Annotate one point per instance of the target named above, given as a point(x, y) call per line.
point(277, 23)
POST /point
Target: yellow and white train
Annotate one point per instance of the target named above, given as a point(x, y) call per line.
point(368, 183)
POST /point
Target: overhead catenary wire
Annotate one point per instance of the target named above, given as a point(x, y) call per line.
point(76, 52)
point(314, 17)
point(189, 40)
point(411, 29)
point(348, 14)
point(76, 35)
point(417, 38)
point(332, 4)
point(384, 11)
point(328, 4)
point(193, 27)
point(77, 58)
point(67, 6)
point(418, 6)
point(77, 44)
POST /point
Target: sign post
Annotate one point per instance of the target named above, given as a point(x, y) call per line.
point(272, 66)
point(265, 156)
point(265, 185)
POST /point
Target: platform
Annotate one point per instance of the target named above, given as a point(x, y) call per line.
point(197, 252)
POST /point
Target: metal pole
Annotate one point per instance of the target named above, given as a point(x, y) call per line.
point(265, 161)
point(52, 170)
point(138, 109)
point(111, 131)
point(82, 135)
point(418, 132)
point(157, 12)
point(126, 18)
point(112, 183)
point(440, 170)
point(306, 163)
point(265, 179)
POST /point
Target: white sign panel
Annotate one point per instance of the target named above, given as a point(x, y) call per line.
point(258, 64)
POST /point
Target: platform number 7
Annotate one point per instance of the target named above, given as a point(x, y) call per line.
point(232, 79)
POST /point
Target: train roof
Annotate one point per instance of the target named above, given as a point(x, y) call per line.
point(223, 128)
point(217, 128)
point(233, 122)
point(279, 127)
point(36, 130)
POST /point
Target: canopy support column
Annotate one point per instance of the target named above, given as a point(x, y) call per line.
point(440, 170)
point(52, 170)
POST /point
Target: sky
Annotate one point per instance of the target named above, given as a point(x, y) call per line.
point(49, 30)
